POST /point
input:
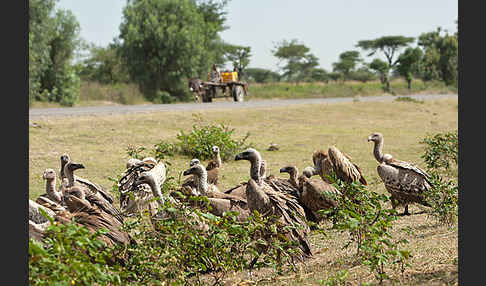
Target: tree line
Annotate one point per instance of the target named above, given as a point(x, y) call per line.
point(162, 43)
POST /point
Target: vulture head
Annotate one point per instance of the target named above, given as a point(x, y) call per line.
point(308, 171)
point(215, 149)
point(72, 166)
point(65, 158)
point(196, 169)
point(292, 170)
point(49, 174)
point(249, 154)
point(375, 137)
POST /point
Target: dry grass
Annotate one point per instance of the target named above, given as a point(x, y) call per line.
point(100, 143)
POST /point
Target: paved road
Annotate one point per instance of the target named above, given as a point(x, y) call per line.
point(124, 109)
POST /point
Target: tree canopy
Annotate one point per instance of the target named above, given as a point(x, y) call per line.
point(299, 62)
point(166, 41)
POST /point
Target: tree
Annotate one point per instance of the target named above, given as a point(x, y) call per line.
point(347, 63)
point(60, 77)
point(40, 31)
point(105, 65)
point(440, 59)
point(408, 64)
point(319, 74)
point(382, 69)
point(166, 41)
point(239, 56)
point(261, 75)
point(362, 74)
point(389, 46)
point(299, 61)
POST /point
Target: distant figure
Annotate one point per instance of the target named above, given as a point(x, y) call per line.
point(215, 74)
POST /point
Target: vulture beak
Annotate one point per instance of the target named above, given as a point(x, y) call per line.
point(283, 170)
point(238, 157)
point(187, 172)
point(369, 139)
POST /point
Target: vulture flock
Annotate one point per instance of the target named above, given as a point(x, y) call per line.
point(289, 201)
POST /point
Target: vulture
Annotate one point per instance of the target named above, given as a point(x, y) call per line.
point(219, 201)
point(135, 198)
point(95, 188)
point(212, 167)
point(51, 192)
point(339, 162)
point(94, 197)
point(283, 207)
point(154, 179)
point(36, 216)
point(314, 194)
point(405, 182)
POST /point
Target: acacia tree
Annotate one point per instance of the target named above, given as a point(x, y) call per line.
point(166, 41)
point(347, 63)
point(408, 64)
point(299, 61)
point(389, 46)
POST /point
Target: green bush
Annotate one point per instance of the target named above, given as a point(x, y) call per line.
point(163, 97)
point(71, 255)
point(441, 150)
point(441, 157)
point(361, 213)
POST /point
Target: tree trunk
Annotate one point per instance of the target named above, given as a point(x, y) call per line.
point(409, 84)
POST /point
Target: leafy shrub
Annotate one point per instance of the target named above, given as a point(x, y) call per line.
point(361, 214)
point(441, 157)
point(408, 99)
point(136, 152)
point(441, 150)
point(71, 255)
point(164, 149)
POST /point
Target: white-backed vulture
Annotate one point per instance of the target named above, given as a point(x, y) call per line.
point(37, 230)
point(92, 186)
point(405, 182)
point(94, 197)
point(339, 162)
point(219, 201)
point(282, 207)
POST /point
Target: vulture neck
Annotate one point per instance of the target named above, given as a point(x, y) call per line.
point(218, 160)
point(156, 191)
point(377, 151)
point(255, 169)
point(293, 178)
point(51, 187)
point(202, 184)
point(69, 175)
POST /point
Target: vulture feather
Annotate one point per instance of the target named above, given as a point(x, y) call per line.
point(335, 160)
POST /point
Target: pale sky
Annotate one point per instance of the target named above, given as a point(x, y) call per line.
point(328, 28)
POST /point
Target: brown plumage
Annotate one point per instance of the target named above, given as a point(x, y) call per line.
point(94, 218)
point(317, 195)
point(405, 182)
point(283, 207)
point(339, 162)
point(36, 216)
point(51, 192)
point(94, 197)
point(95, 188)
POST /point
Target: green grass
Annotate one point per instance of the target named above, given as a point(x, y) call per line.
point(100, 143)
point(346, 89)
